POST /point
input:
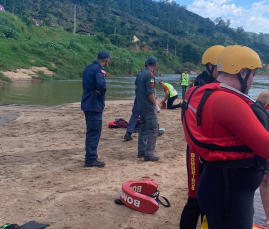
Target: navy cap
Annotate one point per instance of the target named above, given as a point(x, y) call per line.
point(103, 55)
point(151, 60)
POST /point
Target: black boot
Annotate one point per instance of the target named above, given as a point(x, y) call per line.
point(128, 136)
point(152, 158)
point(95, 163)
point(160, 133)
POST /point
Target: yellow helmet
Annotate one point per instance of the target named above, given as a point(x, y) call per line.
point(211, 55)
point(236, 57)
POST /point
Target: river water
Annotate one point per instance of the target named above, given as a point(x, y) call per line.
point(60, 92)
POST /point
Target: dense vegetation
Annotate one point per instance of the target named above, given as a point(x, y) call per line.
point(167, 30)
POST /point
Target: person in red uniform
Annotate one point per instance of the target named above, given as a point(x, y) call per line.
point(264, 187)
point(225, 126)
point(191, 211)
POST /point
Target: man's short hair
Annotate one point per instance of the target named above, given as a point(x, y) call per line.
point(161, 81)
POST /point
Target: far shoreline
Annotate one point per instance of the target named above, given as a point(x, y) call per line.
point(36, 79)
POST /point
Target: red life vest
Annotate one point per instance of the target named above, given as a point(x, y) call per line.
point(212, 149)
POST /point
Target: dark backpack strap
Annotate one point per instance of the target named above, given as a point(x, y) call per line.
point(225, 212)
point(185, 103)
point(157, 198)
point(207, 93)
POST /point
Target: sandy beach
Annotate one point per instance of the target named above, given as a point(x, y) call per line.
point(42, 176)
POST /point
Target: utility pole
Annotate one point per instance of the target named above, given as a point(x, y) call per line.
point(75, 18)
point(167, 47)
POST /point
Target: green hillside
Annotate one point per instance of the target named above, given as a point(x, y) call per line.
point(158, 26)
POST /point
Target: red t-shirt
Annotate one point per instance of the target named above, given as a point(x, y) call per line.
point(165, 88)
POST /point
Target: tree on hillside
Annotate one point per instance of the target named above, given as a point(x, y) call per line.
point(44, 9)
point(261, 38)
point(241, 36)
point(190, 54)
point(207, 27)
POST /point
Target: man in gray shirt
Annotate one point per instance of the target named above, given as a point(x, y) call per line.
point(147, 106)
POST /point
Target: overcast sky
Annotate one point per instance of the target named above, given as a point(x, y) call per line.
point(253, 15)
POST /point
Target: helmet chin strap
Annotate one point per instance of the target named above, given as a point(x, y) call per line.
point(242, 81)
point(210, 71)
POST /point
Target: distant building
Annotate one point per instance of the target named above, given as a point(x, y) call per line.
point(135, 39)
point(2, 8)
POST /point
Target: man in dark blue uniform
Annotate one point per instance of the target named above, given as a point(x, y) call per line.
point(93, 103)
point(147, 106)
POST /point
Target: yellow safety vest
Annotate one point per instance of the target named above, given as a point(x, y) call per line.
point(171, 89)
point(184, 79)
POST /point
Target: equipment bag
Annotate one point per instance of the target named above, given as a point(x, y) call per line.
point(118, 123)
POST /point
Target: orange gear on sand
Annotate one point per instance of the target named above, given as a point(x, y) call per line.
point(163, 106)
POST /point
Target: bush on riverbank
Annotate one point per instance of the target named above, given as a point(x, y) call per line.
point(4, 78)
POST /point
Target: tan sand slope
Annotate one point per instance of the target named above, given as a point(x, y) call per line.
point(26, 74)
point(42, 178)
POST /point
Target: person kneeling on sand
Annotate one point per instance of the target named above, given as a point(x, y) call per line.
point(170, 95)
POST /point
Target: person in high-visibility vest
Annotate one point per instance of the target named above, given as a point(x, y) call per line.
point(170, 95)
point(184, 81)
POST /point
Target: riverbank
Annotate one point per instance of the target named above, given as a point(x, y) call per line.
point(26, 74)
point(42, 178)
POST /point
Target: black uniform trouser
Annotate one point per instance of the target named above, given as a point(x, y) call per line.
point(214, 195)
point(170, 103)
point(94, 128)
point(184, 89)
point(190, 214)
